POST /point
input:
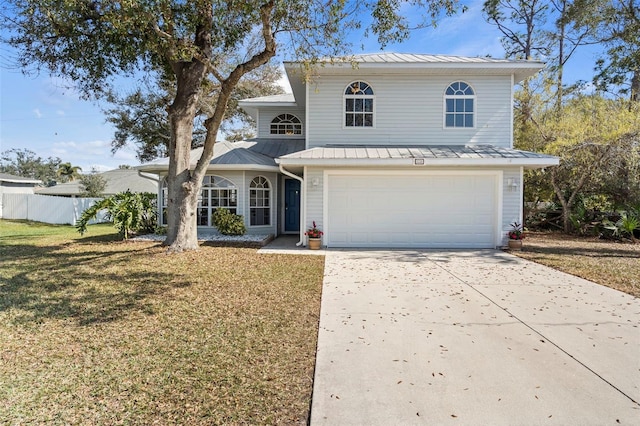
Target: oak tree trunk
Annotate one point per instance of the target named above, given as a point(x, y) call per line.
point(182, 230)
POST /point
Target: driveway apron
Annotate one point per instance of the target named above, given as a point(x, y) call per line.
point(471, 338)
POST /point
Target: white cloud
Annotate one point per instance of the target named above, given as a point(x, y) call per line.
point(37, 113)
point(60, 112)
point(92, 154)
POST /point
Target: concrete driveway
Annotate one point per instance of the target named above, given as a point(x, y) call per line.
point(471, 338)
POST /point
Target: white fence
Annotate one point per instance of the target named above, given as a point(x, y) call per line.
point(46, 208)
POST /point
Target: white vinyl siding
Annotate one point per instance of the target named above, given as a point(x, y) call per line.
point(314, 197)
point(266, 116)
point(512, 200)
point(409, 110)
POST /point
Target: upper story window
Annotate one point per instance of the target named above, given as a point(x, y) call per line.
point(459, 102)
point(286, 124)
point(358, 105)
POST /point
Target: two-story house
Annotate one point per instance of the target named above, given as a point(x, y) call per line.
point(380, 150)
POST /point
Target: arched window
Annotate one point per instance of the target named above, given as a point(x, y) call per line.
point(216, 192)
point(259, 202)
point(286, 124)
point(459, 104)
point(358, 105)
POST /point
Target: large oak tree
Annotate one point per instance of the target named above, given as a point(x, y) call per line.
point(93, 41)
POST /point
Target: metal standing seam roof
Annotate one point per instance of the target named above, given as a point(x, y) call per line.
point(412, 152)
point(259, 153)
point(410, 58)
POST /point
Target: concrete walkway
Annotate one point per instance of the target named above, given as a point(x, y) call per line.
point(471, 338)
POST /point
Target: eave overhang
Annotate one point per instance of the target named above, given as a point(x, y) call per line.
point(417, 163)
point(417, 156)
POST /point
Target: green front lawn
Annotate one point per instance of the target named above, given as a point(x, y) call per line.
point(98, 331)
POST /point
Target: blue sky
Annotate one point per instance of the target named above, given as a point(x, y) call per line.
point(42, 114)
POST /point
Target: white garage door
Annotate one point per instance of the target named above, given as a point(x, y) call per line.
point(427, 211)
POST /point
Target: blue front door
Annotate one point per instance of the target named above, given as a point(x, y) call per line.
point(291, 205)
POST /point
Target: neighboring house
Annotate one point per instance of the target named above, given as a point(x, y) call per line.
point(385, 150)
point(118, 180)
point(10, 184)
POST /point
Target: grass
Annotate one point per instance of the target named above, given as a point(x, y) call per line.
point(612, 264)
point(99, 331)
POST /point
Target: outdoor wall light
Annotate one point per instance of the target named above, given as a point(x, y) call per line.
point(315, 182)
point(512, 184)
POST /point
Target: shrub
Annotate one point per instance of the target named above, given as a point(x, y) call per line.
point(228, 223)
point(130, 213)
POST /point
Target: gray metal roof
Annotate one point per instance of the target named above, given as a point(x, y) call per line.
point(249, 154)
point(5, 177)
point(118, 180)
point(285, 97)
point(413, 151)
point(417, 154)
point(399, 58)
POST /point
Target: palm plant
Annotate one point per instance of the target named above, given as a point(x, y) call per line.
point(68, 172)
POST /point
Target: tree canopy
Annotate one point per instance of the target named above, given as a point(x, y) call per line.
point(26, 163)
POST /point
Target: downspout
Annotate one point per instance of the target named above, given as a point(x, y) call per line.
point(302, 201)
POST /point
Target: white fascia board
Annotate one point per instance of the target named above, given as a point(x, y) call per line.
point(217, 167)
point(466, 162)
point(34, 181)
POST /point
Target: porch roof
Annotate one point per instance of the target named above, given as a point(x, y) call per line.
point(417, 155)
point(255, 154)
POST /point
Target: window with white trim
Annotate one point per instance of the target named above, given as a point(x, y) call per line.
point(459, 105)
point(358, 105)
point(217, 192)
point(286, 124)
point(259, 202)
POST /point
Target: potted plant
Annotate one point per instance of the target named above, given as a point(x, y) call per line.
point(315, 237)
point(516, 235)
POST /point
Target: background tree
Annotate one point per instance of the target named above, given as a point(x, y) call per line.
point(593, 136)
point(521, 23)
point(596, 138)
point(67, 173)
point(92, 185)
point(26, 163)
point(91, 42)
point(618, 28)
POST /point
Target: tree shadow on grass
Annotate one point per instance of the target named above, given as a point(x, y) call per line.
point(42, 283)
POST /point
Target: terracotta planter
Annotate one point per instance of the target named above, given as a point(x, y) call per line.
point(515, 244)
point(315, 243)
